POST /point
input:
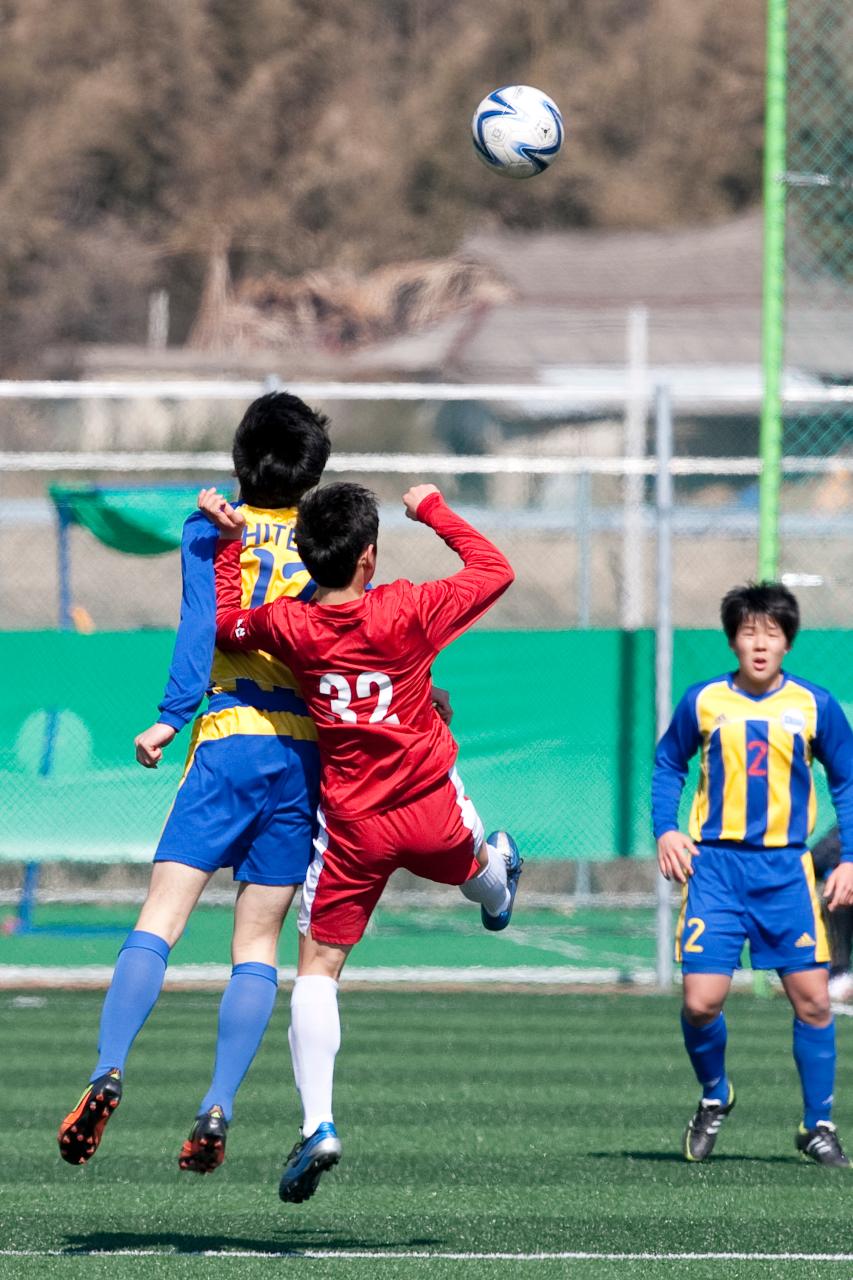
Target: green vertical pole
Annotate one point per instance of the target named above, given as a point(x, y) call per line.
point(773, 302)
point(773, 307)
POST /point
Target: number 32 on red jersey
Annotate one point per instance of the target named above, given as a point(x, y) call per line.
point(339, 689)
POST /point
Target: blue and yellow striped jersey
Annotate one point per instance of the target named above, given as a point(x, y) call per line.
point(755, 783)
point(270, 568)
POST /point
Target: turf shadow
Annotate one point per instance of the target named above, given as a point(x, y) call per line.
point(284, 1241)
point(675, 1157)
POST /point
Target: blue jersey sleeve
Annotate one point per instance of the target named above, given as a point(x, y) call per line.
point(672, 758)
point(833, 747)
point(189, 673)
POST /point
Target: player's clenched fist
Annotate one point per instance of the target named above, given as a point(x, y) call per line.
point(229, 520)
point(675, 856)
point(413, 498)
point(150, 743)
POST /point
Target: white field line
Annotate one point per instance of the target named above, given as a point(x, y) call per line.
point(538, 940)
point(534, 939)
point(22, 975)
point(573, 1255)
point(97, 976)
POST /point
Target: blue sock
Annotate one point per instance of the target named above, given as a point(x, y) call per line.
point(137, 979)
point(814, 1054)
point(706, 1048)
point(244, 1012)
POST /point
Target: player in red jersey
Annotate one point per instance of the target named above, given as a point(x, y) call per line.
point(390, 794)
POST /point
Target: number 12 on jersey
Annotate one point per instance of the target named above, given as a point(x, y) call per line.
point(339, 690)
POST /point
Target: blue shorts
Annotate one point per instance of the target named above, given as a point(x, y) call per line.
point(248, 801)
point(766, 897)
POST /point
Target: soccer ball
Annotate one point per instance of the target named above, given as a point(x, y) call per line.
point(517, 131)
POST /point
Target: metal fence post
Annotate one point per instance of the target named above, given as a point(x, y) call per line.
point(636, 415)
point(663, 646)
point(584, 550)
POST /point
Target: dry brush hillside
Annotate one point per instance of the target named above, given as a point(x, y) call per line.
point(321, 134)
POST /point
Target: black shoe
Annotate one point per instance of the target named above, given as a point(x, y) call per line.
point(81, 1131)
point(204, 1149)
point(701, 1134)
point(822, 1145)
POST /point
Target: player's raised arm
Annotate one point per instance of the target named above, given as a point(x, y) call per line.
point(234, 628)
point(450, 605)
point(239, 627)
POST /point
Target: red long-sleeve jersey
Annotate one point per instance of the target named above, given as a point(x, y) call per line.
point(364, 666)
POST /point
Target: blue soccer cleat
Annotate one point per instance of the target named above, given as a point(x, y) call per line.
point(504, 843)
point(307, 1161)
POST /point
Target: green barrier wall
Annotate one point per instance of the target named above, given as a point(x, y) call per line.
point(556, 733)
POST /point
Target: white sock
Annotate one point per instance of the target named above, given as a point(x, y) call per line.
point(488, 887)
point(315, 1037)
point(293, 1062)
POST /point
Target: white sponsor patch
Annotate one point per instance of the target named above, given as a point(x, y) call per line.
point(794, 721)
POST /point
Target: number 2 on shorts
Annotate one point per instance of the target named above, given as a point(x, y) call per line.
point(698, 927)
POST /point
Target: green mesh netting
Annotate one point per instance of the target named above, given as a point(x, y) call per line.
point(140, 521)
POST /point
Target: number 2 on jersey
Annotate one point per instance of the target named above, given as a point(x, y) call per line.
point(266, 560)
point(338, 688)
point(757, 758)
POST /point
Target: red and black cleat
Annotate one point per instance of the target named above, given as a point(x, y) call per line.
point(204, 1149)
point(81, 1131)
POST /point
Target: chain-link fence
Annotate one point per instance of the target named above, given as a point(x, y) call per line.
point(575, 515)
point(818, 314)
point(555, 694)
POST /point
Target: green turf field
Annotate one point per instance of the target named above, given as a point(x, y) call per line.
point(449, 935)
point(473, 1123)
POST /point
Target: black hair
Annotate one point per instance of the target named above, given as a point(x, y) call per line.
point(757, 600)
point(280, 449)
point(334, 526)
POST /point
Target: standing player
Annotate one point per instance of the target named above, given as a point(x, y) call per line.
point(746, 870)
point(390, 796)
point(249, 791)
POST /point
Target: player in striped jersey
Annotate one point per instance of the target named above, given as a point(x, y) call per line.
point(248, 796)
point(746, 871)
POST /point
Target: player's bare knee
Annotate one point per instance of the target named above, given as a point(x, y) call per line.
point(173, 892)
point(814, 1010)
point(320, 959)
point(167, 919)
point(699, 1011)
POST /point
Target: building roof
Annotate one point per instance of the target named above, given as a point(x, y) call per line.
point(572, 294)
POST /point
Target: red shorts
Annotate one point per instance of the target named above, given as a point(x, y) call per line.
point(436, 837)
